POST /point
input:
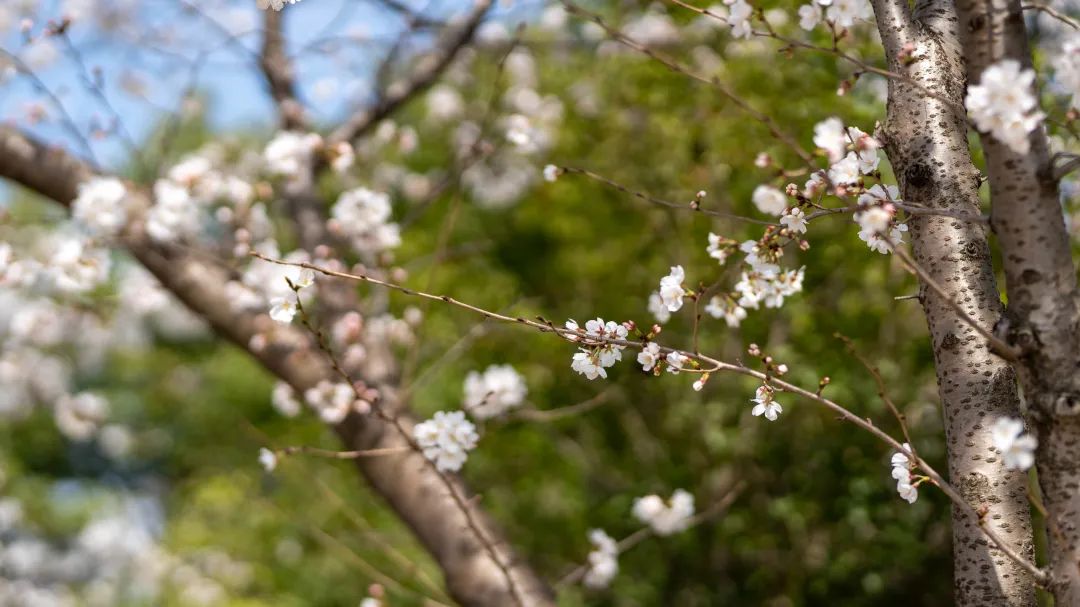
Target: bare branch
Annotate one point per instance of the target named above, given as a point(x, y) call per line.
point(428, 68)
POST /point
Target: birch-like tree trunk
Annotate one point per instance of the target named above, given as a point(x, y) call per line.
point(1043, 319)
point(925, 136)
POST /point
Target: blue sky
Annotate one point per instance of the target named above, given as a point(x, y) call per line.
point(228, 77)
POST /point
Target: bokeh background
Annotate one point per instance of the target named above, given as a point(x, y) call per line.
point(171, 507)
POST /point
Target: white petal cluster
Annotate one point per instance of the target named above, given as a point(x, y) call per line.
point(284, 400)
point(290, 153)
point(665, 518)
point(283, 307)
point(332, 401)
point(101, 206)
point(267, 459)
point(1017, 448)
point(657, 308)
point(671, 289)
point(875, 219)
point(175, 214)
point(603, 562)
point(363, 216)
point(795, 220)
point(649, 357)
point(725, 306)
point(769, 200)
point(739, 14)
point(901, 472)
point(1003, 104)
point(79, 416)
point(75, 266)
point(845, 13)
point(719, 248)
point(676, 362)
point(446, 439)
point(494, 391)
point(596, 356)
point(809, 16)
point(765, 403)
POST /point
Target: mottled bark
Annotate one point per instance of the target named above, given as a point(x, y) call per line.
point(1040, 279)
point(406, 481)
point(926, 140)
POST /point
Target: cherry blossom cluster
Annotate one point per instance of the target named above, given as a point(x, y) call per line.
point(665, 517)
point(838, 13)
point(596, 354)
point(493, 392)
point(1003, 104)
point(907, 482)
point(603, 561)
point(446, 439)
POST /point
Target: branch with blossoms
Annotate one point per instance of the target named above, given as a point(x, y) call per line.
point(601, 345)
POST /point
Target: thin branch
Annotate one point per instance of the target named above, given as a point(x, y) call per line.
point(1001, 348)
point(712, 365)
point(770, 124)
point(1053, 12)
point(658, 201)
point(427, 70)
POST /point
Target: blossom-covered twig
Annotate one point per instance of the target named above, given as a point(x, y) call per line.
point(708, 365)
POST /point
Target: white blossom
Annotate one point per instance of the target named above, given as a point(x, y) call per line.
point(78, 417)
point(657, 308)
point(585, 362)
point(809, 16)
point(603, 562)
point(877, 242)
point(765, 404)
point(845, 13)
point(290, 153)
point(830, 135)
point(283, 309)
point(1017, 448)
point(769, 200)
point(494, 391)
point(174, 214)
point(446, 439)
point(101, 205)
point(901, 472)
point(363, 216)
point(1067, 67)
point(676, 362)
point(716, 248)
point(739, 13)
point(551, 173)
point(284, 400)
point(649, 356)
point(332, 401)
point(1004, 105)
point(795, 220)
point(665, 518)
point(847, 171)
point(671, 289)
point(268, 459)
point(723, 306)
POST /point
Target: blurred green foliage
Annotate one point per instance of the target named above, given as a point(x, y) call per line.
point(819, 521)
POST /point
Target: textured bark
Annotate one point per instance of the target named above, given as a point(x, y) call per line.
point(406, 481)
point(926, 141)
point(1040, 278)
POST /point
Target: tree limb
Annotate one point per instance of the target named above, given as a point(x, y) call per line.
point(926, 142)
point(407, 483)
point(1044, 308)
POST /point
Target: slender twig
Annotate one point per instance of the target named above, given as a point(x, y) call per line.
point(1001, 348)
point(659, 201)
point(714, 510)
point(770, 124)
point(341, 454)
point(1053, 12)
point(706, 364)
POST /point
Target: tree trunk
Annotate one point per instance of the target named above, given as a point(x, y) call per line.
point(926, 140)
point(1040, 278)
